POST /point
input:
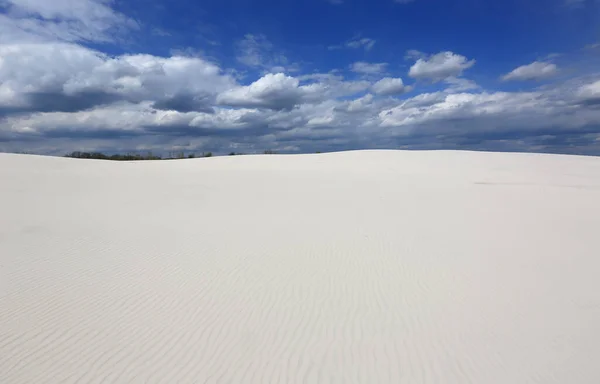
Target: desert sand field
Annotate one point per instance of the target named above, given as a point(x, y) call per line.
point(355, 267)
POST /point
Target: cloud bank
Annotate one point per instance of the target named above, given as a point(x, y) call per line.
point(58, 95)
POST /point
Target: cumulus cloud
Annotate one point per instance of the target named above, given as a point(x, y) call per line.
point(590, 93)
point(66, 77)
point(273, 91)
point(440, 66)
point(368, 68)
point(361, 104)
point(133, 120)
point(389, 86)
point(281, 92)
point(493, 120)
point(57, 97)
point(534, 71)
point(331, 86)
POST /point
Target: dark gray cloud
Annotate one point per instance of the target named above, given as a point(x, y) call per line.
point(186, 103)
point(60, 102)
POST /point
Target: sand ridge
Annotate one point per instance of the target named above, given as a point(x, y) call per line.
point(353, 267)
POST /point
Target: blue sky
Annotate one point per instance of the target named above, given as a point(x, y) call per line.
point(299, 76)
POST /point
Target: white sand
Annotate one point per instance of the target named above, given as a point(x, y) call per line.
point(357, 267)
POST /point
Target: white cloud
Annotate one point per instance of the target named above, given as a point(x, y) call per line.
point(331, 86)
point(534, 71)
point(413, 54)
point(368, 68)
point(323, 120)
point(429, 120)
point(356, 43)
point(123, 116)
point(274, 91)
point(389, 86)
point(362, 111)
point(83, 20)
point(440, 66)
point(590, 93)
point(160, 32)
point(361, 104)
point(68, 77)
point(134, 119)
point(592, 46)
point(227, 119)
point(486, 112)
point(365, 43)
point(459, 84)
point(252, 50)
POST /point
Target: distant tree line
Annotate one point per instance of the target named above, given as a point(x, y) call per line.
point(134, 156)
point(147, 156)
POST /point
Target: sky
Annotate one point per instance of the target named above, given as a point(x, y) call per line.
point(297, 76)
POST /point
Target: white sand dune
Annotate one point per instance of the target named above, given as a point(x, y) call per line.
point(356, 267)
